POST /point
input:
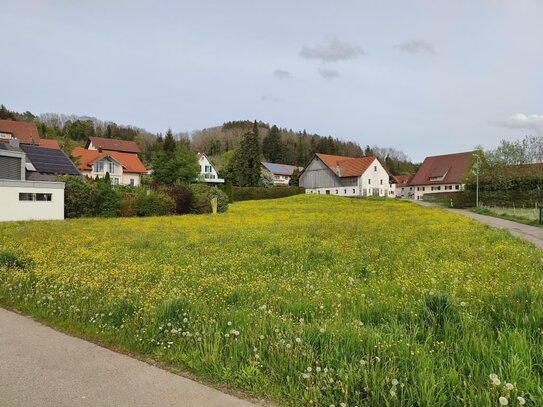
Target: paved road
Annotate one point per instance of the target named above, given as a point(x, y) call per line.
point(533, 234)
point(42, 367)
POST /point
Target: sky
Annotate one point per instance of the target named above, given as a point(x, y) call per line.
point(425, 77)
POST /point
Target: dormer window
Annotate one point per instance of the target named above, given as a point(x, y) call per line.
point(439, 178)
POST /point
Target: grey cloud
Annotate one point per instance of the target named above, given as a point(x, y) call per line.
point(416, 46)
point(282, 74)
point(524, 121)
point(332, 51)
point(328, 73)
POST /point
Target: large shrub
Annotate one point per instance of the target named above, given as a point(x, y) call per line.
point(250, 193)
point(79, 197)
point(128, 204)
point(154, 203)
point(107, 200)
point(202, 195)
point(182, 196)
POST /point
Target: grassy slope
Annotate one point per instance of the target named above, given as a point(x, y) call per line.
point(308, 300)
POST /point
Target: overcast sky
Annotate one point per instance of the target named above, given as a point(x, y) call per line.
point(426, 77)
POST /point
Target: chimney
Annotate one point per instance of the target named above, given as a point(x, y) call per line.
point(13, 142)
point(99, 149)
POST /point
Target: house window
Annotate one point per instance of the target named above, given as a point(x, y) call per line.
point(375, 168)
point(423, 188)
point(327, 192)
point(26, 196)
point(114, 181)
point(111, 167)
point(44, 197)
point(439, 188)
point(132, 182)
point(369, 181)
point(29, 196)
point(381, 182)
point(345, 191)
point(336, 191)
point(456, 187)
point(99, 166)
point(208, 168)
point(354, 191)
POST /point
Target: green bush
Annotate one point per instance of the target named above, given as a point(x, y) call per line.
point(182, 196)
point(154, 203)
point(252, 193)
point(79, 197)
point(202, 195)
point(128, 204)
point(107, 201)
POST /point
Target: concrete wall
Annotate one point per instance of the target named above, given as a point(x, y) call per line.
point(15, 209)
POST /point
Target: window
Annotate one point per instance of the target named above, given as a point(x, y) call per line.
point(99, 166)
point(132, 182)
point(114, 181)
point(29, 196)
point(345, 191)
point(26, 196)
point(375, 168)
point(369, 181)
point(354, 192)
point(439, 188)
point(423, 188)
point(327, 192)
point(111, 167)
point(208, 168)
point(44, 197)
point(456, 187)
point(336, 191)
point(381, 182)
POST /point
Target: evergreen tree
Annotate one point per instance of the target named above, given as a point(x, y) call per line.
point(272, 146)
point(294, 178)
point(169, 145)
point(245, 165)
point(174, 163)
point(229, 191)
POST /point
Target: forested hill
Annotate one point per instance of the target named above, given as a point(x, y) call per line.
point(277, 144)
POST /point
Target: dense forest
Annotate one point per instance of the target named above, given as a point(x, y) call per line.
point(219, 143)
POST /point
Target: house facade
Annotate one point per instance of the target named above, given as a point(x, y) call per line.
point(441, 173)
point(346, 176)
point(123, 168)
point(280, 173)
point(403, 188)
point(208, 173)
point(24, 199)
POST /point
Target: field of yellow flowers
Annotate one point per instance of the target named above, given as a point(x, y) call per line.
point(307, 300)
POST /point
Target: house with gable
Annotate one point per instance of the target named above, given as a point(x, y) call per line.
point(24, 133)
point(119, 158)
point(441, 173)
point(403, 188)
point(280, 173)
point(208, 173)
point(346, 176)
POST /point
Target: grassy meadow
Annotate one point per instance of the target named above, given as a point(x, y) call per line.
point(306, 301)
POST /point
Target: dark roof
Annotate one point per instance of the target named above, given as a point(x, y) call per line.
point(49, 160)
point(25, 132)
point(111, 144)
point(446, 169)
point(280, 169)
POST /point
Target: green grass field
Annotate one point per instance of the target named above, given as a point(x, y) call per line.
point(307, 300)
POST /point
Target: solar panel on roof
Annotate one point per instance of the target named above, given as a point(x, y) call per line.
point(49, 161)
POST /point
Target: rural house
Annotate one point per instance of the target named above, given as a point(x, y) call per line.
point(346, 176)
point(403, 187)
point(25, 133)
point(119, 158)
point(208, 173)
point(280, 173)
point(28, 187)
point(441, 173)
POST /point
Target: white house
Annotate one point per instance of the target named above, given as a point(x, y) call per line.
point(403, 188)
point(346, 176)
point(208, 173)
point(21, 199)
point(281, 173)
point(123, 168)
point(441, 173)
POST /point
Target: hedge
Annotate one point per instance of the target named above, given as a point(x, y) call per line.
point(253, 193)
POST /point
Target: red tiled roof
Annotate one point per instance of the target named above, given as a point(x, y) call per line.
point(50, 144)
point(112, 144)
point(452, 167)
point(130, 162)
point(25, 132)
point(402, 180)
point(346, 166)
